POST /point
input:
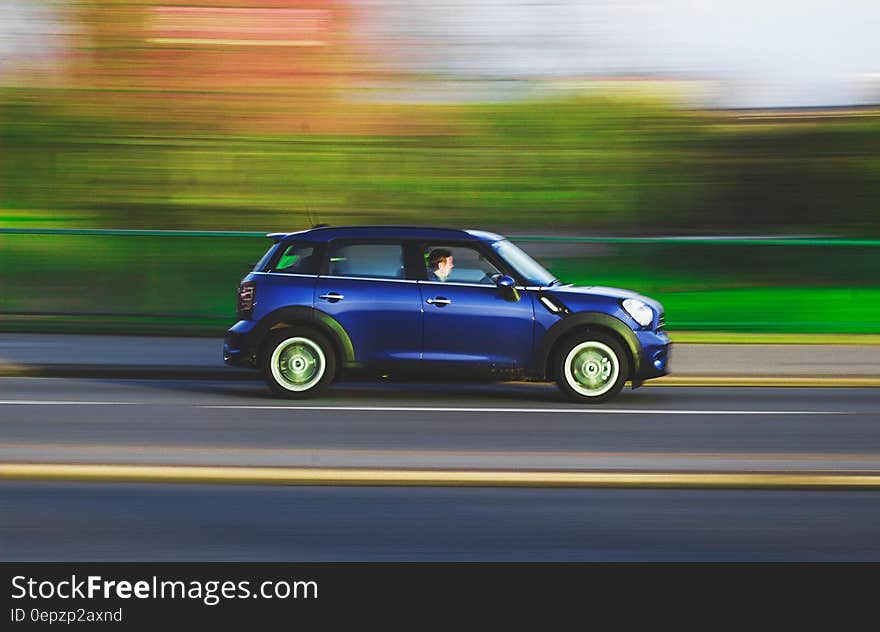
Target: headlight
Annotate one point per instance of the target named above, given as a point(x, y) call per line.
point(640, 312)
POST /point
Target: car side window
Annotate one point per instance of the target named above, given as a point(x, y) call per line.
point(373, 260)
point(296, 259)
point(458, 264)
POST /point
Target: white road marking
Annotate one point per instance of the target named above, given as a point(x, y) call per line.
point(38, 402)
point(576, 411)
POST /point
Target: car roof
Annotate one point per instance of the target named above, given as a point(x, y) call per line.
point(433, 233)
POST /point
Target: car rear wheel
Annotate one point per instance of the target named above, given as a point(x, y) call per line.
point(298, 363)
point(591, 367)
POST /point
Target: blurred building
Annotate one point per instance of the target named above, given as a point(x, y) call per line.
point(212, 45)
point(233, 65)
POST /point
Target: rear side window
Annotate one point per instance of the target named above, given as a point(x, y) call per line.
point(382, 261)
point(296, 258)
point(261, 265)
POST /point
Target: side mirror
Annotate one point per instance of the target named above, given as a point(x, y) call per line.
point(508, 288)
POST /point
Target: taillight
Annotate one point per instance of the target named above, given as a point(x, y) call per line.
point(246, 294)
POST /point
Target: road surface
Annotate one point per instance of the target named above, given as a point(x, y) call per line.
point(110, 468)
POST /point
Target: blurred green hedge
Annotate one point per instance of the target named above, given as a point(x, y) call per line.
point(585, 165)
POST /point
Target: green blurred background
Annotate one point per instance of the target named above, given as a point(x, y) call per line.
point(150, 121)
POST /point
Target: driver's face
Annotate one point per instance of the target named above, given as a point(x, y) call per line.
point(446, 265)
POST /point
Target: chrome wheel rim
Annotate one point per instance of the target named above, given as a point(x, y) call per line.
point(298, 364)
point(591, 368)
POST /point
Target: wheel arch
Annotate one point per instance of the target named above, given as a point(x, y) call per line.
point(312, 318)
point(584, 322)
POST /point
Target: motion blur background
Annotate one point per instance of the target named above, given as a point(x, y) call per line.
point(723, 157)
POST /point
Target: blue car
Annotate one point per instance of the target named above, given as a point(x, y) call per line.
point(405, 302)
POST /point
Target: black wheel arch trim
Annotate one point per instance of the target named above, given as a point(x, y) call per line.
point(583, 320)
point(323, 322)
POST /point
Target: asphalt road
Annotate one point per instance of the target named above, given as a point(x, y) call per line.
point(98, 522)
point(230, 426)
point(512, 426)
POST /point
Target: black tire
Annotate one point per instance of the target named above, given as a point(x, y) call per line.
point(591, 367)
point(298, 362)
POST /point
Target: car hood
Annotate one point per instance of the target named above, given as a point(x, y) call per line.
point(573, 292)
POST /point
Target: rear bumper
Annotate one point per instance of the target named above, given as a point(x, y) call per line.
point(239, 345)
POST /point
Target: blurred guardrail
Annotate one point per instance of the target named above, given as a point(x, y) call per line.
point(184, 282)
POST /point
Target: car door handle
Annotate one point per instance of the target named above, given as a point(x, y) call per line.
point(332, 296)
point(440, 300)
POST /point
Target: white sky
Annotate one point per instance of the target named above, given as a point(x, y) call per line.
point(763, 52)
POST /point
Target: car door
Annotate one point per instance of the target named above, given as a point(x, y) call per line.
point(467, 319)
point(363, 287)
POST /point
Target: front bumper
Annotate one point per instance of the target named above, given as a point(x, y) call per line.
point(654, 354)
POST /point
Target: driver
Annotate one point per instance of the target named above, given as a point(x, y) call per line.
point(440, 264)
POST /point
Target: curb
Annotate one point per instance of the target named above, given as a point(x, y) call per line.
point(775, 381)
point(104, 371)
point(434, 478)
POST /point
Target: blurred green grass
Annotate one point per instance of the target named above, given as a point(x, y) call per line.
point(186, 285)
point(150, 284)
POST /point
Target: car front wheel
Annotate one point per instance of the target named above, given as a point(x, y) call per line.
point(298, 363)
point(591, 368)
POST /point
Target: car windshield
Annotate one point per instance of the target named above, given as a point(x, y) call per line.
point(530, 270)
